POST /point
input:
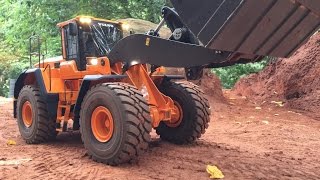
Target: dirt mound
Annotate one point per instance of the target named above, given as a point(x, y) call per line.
point(294, 80)
point(211, 85)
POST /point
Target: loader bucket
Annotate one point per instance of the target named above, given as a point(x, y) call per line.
point(258, 27)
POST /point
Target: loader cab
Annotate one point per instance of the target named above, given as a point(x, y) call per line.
point(86, 37)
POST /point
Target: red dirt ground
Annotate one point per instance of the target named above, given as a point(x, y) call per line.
point(245, 142)
point(294, 80)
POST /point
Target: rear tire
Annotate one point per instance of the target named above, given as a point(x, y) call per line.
point(131, 123)
point(34, 123)
point(195, 109)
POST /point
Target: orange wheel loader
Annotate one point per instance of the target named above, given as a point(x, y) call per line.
point(106, 86)
point(113, 104)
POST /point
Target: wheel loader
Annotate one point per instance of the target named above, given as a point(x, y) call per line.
point(107, 87)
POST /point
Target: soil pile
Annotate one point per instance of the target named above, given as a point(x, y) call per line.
point(211, 85)
point(294, 80)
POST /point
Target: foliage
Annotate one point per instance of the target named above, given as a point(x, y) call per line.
point(10, 71)
point(19, 19)
point(230, 75)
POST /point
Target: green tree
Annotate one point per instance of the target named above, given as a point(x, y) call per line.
point(19, 19)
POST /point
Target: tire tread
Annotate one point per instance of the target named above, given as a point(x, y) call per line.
point(200, 123)
point(46, 129)
point(135, 141)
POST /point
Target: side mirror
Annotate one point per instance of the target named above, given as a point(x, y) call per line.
point(73, 29)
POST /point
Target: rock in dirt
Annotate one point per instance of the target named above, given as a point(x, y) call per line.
point(14, 162)
point(293, 80)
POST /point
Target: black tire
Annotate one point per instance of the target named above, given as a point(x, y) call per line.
point(196, 113)
point(132, 123)
point(42, 128)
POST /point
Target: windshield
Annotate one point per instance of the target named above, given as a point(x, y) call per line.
point(100, 37)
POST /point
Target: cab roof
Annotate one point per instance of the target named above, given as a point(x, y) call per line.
point(77, 18)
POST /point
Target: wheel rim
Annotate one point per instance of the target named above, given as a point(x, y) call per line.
point(177, 116)
point(27, 114)
point(102, 124)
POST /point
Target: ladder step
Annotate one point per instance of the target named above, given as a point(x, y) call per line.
point(64, 106)
point(70, 91)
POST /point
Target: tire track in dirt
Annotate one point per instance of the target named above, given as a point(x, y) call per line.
point(60, 160)
point(287, 148)
point(67, 159)
point(236, 164)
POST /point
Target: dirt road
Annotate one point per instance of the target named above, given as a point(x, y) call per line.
point(245, 140)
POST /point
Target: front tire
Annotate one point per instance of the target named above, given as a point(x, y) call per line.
point(34, 123)
point(195, 113)
point(115, 123)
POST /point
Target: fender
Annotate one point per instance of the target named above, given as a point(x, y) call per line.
point(89, 81)
point(34, 77)
point(173, 77)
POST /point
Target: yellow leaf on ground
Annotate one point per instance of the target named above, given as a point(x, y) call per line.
point(279, 103)
point(214, 172)
point(258, 108)
point(11, 142)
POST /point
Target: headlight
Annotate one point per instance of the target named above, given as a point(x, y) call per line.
point(93, 61)
point(85, 20)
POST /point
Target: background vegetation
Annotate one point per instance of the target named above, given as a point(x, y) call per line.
point(19, 19)
point(230, 75)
